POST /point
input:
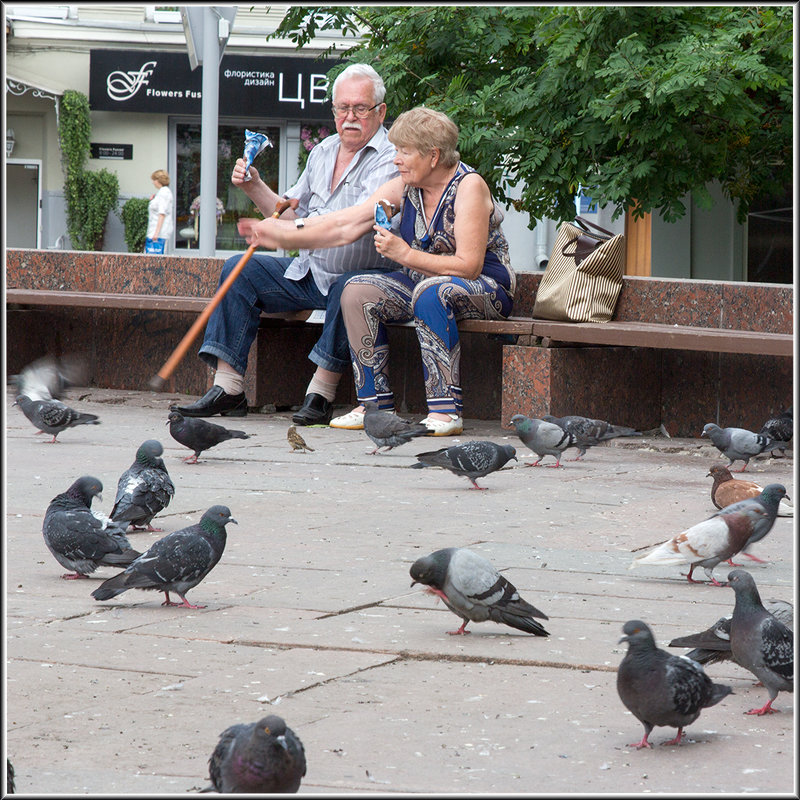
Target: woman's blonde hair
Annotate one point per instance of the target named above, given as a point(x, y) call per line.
point(161, 176)
point(425, 129)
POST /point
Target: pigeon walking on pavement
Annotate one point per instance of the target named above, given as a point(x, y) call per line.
point(719, 537)
point(297, 441)
point(175, 563)
point(471, 459)
point(727, 490)
point(737, 444)
point(198, 434)
point(759, 641)
point(53, 416)
point(80, 539)
point(544, 438)
point(264, 757)
point(387, 429)
point(474, 590)
point(144, 489)
point(662, 689)
point(589, 432)
point(714, 644)
point(780, 429)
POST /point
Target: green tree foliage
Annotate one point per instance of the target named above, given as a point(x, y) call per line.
point(639, 105)
point(134, 216)
point(90, 196)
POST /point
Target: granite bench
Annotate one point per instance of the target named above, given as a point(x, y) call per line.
point(614, 370)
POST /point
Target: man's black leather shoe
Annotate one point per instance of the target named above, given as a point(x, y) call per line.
point(216, 401)
point(316, 410)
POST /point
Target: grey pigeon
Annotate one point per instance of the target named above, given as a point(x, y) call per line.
point(80, 539)
point(737, 444)
point(265, 757)
point(387, 429)
point(759, 641)
point(53, 416)
point(589, 432)
point(780, 429)
point(48, 377)
point(659, 688)
point(714, 644)
point(471, 459)
point(175, 563)
point(719, 537)
point(198, 434)
point(144, 489)
point(544, 438)
point(474, 590)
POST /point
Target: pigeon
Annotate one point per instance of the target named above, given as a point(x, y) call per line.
point(728, 490)
point(759, 641)
point(80, 539)
point(144, 489)
point(471, 459)
point(589, 432)
point(48, 377)
point(737, 444)
point(387, 429)
point(297, 441)
point(53, 416)
point(780, 429)
point(474, 590)
point(175, 563)
point(544, 438)
point(660, 688)
point(719, 537)
point(265, 757)
point(198, 434)
point(714, 644)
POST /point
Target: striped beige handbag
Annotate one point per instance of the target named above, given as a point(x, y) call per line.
point(583, 278)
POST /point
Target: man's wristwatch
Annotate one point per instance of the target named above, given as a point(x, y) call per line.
point(299, 223)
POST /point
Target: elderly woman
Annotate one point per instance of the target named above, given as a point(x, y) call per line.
point(453, 260)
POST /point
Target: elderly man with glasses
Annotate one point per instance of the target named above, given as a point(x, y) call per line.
point(342, 170)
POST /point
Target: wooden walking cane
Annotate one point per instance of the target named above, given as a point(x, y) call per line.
point(158, 380)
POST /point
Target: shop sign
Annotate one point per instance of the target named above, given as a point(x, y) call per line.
point(116, 152)
point(264, 86)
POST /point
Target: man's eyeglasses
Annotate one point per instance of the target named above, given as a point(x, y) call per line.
point(358, 111)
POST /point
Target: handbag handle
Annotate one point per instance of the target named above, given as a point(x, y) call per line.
point(585, 224)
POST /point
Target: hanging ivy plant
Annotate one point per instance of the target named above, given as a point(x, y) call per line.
point(90, 196)
point(310, 137)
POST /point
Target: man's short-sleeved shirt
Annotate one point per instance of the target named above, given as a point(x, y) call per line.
point(371, 167)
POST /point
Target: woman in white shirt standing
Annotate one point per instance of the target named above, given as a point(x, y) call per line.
point(159, 213)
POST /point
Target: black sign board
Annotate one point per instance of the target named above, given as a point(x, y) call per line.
point(117, 152)
point(259, 86)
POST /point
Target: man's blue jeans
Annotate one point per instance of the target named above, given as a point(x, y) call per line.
point(233, 325)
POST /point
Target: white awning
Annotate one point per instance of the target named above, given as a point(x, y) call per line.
point(20, 80)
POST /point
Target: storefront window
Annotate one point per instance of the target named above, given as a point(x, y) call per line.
point(233, 202)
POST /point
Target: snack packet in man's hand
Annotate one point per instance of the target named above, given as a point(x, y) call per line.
point(254, 143)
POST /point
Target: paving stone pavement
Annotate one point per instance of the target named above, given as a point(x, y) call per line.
point(310, 615)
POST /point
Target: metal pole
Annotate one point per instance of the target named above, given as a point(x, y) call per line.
point(208, 135)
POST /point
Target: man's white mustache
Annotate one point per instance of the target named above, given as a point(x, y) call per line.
point(351, 125)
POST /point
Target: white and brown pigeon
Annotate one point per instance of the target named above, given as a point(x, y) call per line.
point(719, 537)
point(714, 644)
point(544, 438)
point(144, 489)
point(662, 689)
point(737, 444)
point(80, 539)
point(589, 432)
point(175, 563)
point(759, 641)
point(264, 757)
point(474, 590)
point(472, 459)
